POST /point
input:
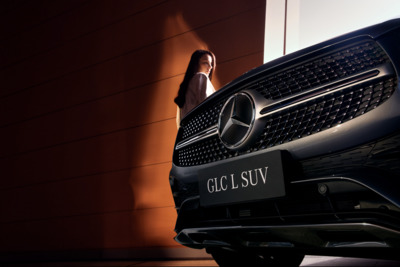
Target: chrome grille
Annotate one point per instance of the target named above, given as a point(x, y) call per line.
point(301, 120)
point(324, 113)
point(321, 71)
point(298, 122)
point(202, 121)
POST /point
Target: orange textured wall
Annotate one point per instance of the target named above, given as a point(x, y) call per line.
point(87, 119)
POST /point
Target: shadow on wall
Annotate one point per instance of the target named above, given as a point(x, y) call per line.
point(151, 145)
point(151, 75)
point(91, 126)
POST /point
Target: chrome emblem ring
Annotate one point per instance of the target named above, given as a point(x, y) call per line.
point(236, 120)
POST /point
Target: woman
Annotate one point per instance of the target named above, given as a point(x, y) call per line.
point(196, 85)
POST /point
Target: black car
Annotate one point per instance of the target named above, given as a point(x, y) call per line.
point(298, 156)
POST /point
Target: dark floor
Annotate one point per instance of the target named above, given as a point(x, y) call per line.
point(308, 261)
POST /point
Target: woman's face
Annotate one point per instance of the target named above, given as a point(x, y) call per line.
point(205, 64)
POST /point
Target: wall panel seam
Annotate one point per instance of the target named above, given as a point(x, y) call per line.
point(90, 101)
point(84, 139)
point(52, 218)
point(117, 93)
point(120, 55)
point(81, 176)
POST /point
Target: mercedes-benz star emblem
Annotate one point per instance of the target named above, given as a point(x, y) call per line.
point(236, 120)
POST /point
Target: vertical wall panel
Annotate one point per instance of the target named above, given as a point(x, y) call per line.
point(87, 119)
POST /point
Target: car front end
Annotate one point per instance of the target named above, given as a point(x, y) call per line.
point(298, 156)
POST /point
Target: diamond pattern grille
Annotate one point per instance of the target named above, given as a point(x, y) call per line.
point(302, 120)
point(321, 71)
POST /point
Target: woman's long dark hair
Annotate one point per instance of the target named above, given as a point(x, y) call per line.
point(191, 70)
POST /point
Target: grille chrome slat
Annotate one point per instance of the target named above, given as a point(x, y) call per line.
point(276, 106)
point(321, 70)
point(198, 137)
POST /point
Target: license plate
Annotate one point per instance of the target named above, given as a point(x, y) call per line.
point(250, 179)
